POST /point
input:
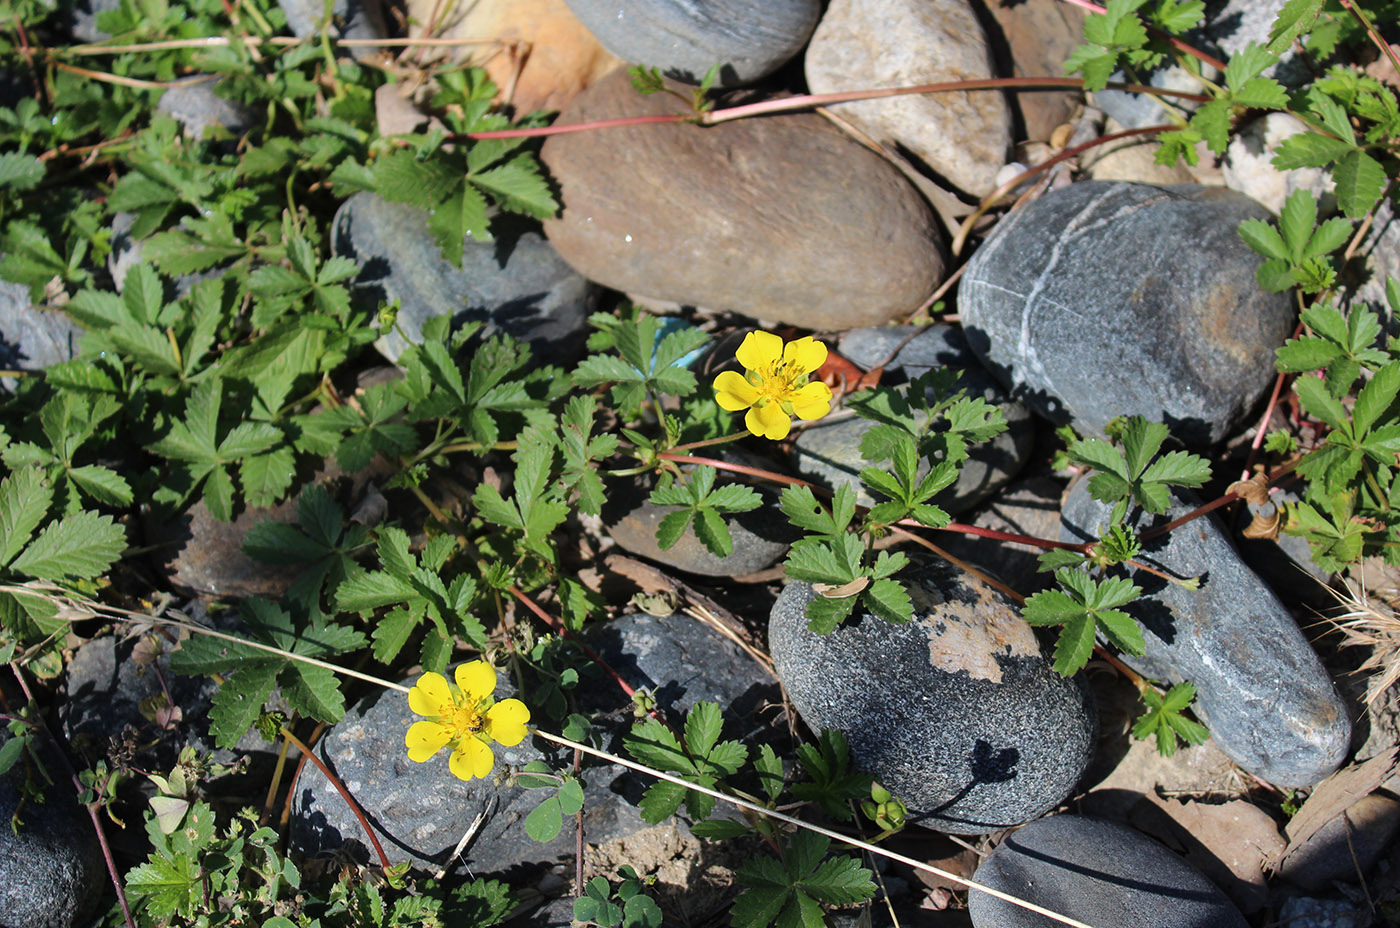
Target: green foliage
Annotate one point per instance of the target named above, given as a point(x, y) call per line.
point(698, 756)
point(627, 905)
point(643, 366)
point(1297, 248)
point(1085, 608)
point(793, 890)
point(252, 672)
point(832, 782)
point(703, 505)
point(1131, 473)
point(546, 820)
point(1164, 719)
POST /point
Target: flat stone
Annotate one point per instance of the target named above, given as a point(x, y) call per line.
point(683, 213)
point(195, 105)
point(350, 19)
point(1366, 829)
point(554, 55)
point(1101, 300)
point(51, 872)
point(421, 810)
point(1268, 701)
point(83, 17)
point(516, 284)
point(31, 338)
point(1302, 912)
point(963, 137)
point(957, 712)
point(1098, 873)
point(203, 556)
point(1039, 36)
point(749, 39)
point(829, 451)
point(761, 536)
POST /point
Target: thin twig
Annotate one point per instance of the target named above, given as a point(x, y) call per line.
point(223, 41)
point(106, 78)
point(91, 806)
point(818, 829)
point(1375, 37)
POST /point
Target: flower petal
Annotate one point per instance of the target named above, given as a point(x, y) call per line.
point(733, 392)
point(804, 355)
point(505, 722)
point(760, 351)
point(471, 759)
point(424, 739)
point(768, 421)
point(476, 680)
point(431, 696)
point(812, 402)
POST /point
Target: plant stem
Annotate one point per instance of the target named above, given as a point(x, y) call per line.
point(742, 469)
point(806, 101)
point(1375, 36)
point(563, 632)
point(799, 823)
point(690, 446)
point(90, 806)
point(340, 788)
point(1173, 40)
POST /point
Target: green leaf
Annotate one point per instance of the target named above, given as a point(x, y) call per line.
point(20, 171)
point(1263, 238)
point(1359, 181)
point(240, 699)
point(889, 600)
point(24, 499)
point(518, 187)
point(80, 546)
point(1296, 17)
point(545, 821)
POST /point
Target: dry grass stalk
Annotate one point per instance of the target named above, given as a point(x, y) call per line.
point(1374, 624)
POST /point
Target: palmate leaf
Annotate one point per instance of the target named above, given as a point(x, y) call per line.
point(1085, 608)
point(79, 546)
point(791, 892)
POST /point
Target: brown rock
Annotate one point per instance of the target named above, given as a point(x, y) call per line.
point(780, 218)
point(1347, 846)
point(542, 58)
point(1039, 36)
point(204, 556)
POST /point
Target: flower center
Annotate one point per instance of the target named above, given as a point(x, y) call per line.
point(779, 382)
point(464, 720)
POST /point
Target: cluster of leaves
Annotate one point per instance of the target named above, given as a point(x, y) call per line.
point(201, 872)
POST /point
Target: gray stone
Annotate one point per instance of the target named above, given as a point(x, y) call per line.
point(203, 556)
point(682, 661)
point(761, 536)
point(1027, 507)
point(420, 811)
point(1266, 697)
point(517, 284)
point(957, 712)
point(828, 451)
point(31, 338)
point(84, 19)
point(1248, 166)
point(748, 39)
point(782, 218)
point(1102, 300)
point(1099, 873)
point(194, 104)
point(963, 137)
point(1381, 251)
point(350, 19)
point(1301, 912)
point(1365, 830)
point(51, 872)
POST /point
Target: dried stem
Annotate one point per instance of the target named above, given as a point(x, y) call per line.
point(339, 788)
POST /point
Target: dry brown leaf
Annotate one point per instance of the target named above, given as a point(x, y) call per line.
point(1336, 794)
point(1231, 843)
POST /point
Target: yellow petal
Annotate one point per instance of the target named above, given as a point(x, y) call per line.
point(424, 739)
point(431, 696)
point(733, 392)
point(768, 421)
point(505, 722)
point(476, 680)
point(760, 351)
point(804, 355)
point(471, 759)
point(812, 402)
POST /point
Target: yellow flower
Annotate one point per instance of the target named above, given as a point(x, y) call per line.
point(465, 716)
point(775, 387)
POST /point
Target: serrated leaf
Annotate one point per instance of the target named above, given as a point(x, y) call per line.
point(80, 546)
point(1296, 17)
point(19, 171)
point(240, 699)
point(702, 727)
point(24, 499)
point(1306, 354)
point(519, 187)
point(660, 801)
point(889, 599)
point(823, 615)
point(1359, 181)
point(1263, 238)
point(1075, 645)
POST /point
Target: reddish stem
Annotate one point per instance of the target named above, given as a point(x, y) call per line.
point(563, 632)
point(743, 469)
point(1175, 42)
point(1002, 536)
point(91, 806)
point(331, 778)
